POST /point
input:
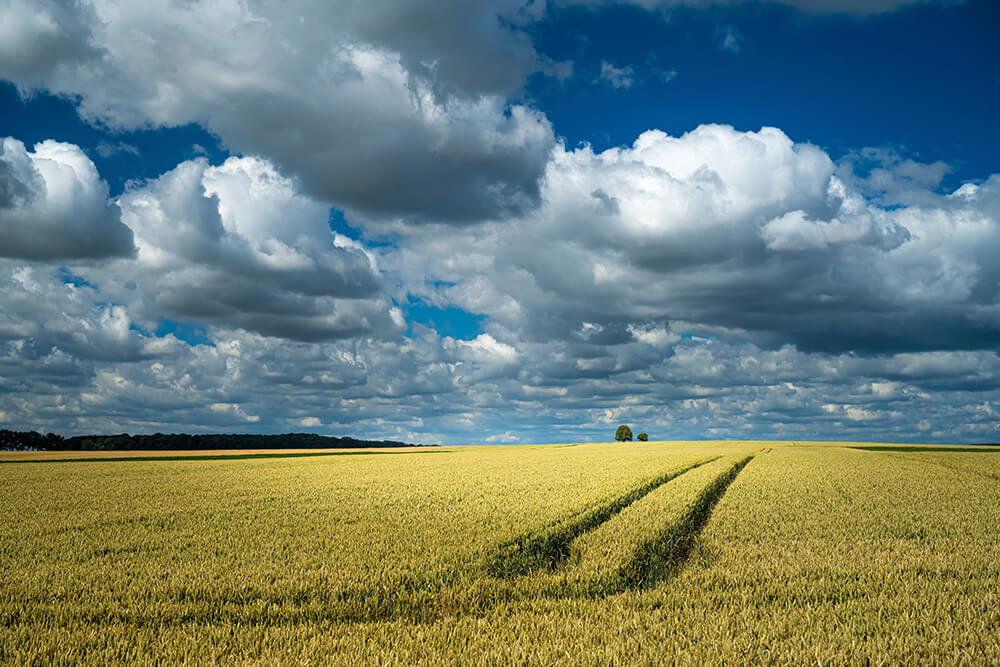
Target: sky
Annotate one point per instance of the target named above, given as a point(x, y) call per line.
point(502, 221)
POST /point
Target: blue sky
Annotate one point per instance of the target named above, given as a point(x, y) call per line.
point(924, 79)
point(502, 221)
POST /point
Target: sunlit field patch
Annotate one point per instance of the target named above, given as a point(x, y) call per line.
point(658, 552)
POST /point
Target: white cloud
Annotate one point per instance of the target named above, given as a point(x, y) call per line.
point(235, 409)
point(40, 37)
point(796, 231)
point(54, 205)
point(237, 245)
point(748, 232)
point(390, 109)
point(655, 336)
point(616, 77)
point(699, 322)
point(40, 310)
point(332, 94)
point(669, 386)
point(485, 347)
point(507, 437)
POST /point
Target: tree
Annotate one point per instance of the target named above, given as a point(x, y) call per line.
point(623, 434)
point(642, 437)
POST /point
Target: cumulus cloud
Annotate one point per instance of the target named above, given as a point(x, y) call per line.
point(720, 283)
point(397, 109)
point(39, 38)
point(390, 109)
point(234, 247)
point(42, 312)
point(234, 409)
point(95, 372)
point(884, 176)
point(54, 205)
point(237, 245)
point(747, 232)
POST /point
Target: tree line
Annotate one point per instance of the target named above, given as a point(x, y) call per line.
point(31, 440)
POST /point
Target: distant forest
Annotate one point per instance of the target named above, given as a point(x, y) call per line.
point(30, 440)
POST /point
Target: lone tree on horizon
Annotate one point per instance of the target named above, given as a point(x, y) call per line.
point(623, 434)
point(642, 437)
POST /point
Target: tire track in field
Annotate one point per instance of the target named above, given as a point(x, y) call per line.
point(666, 553)
point(532, 552)
point(425, 600)
point(656, 560)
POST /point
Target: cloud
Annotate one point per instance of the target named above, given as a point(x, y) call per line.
point(62, 346)
point(747, 234)
point(234, 245)
point(237, 245)
point(54, 205)
point(234, 409)
point(107, 149)
point(507, 437)
point(391, 110)
point(884, 176)
point(719, 283)
point(432, 389)
point(39, 38)
point(737, 389)
point(616, 77)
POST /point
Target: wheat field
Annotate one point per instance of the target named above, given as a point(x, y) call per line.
point(652, 553)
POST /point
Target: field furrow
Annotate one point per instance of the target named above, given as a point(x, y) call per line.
point(549, 548)
point(624, 552)
point(660, 556)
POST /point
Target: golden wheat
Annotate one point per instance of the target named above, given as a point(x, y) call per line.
point(816, 553)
